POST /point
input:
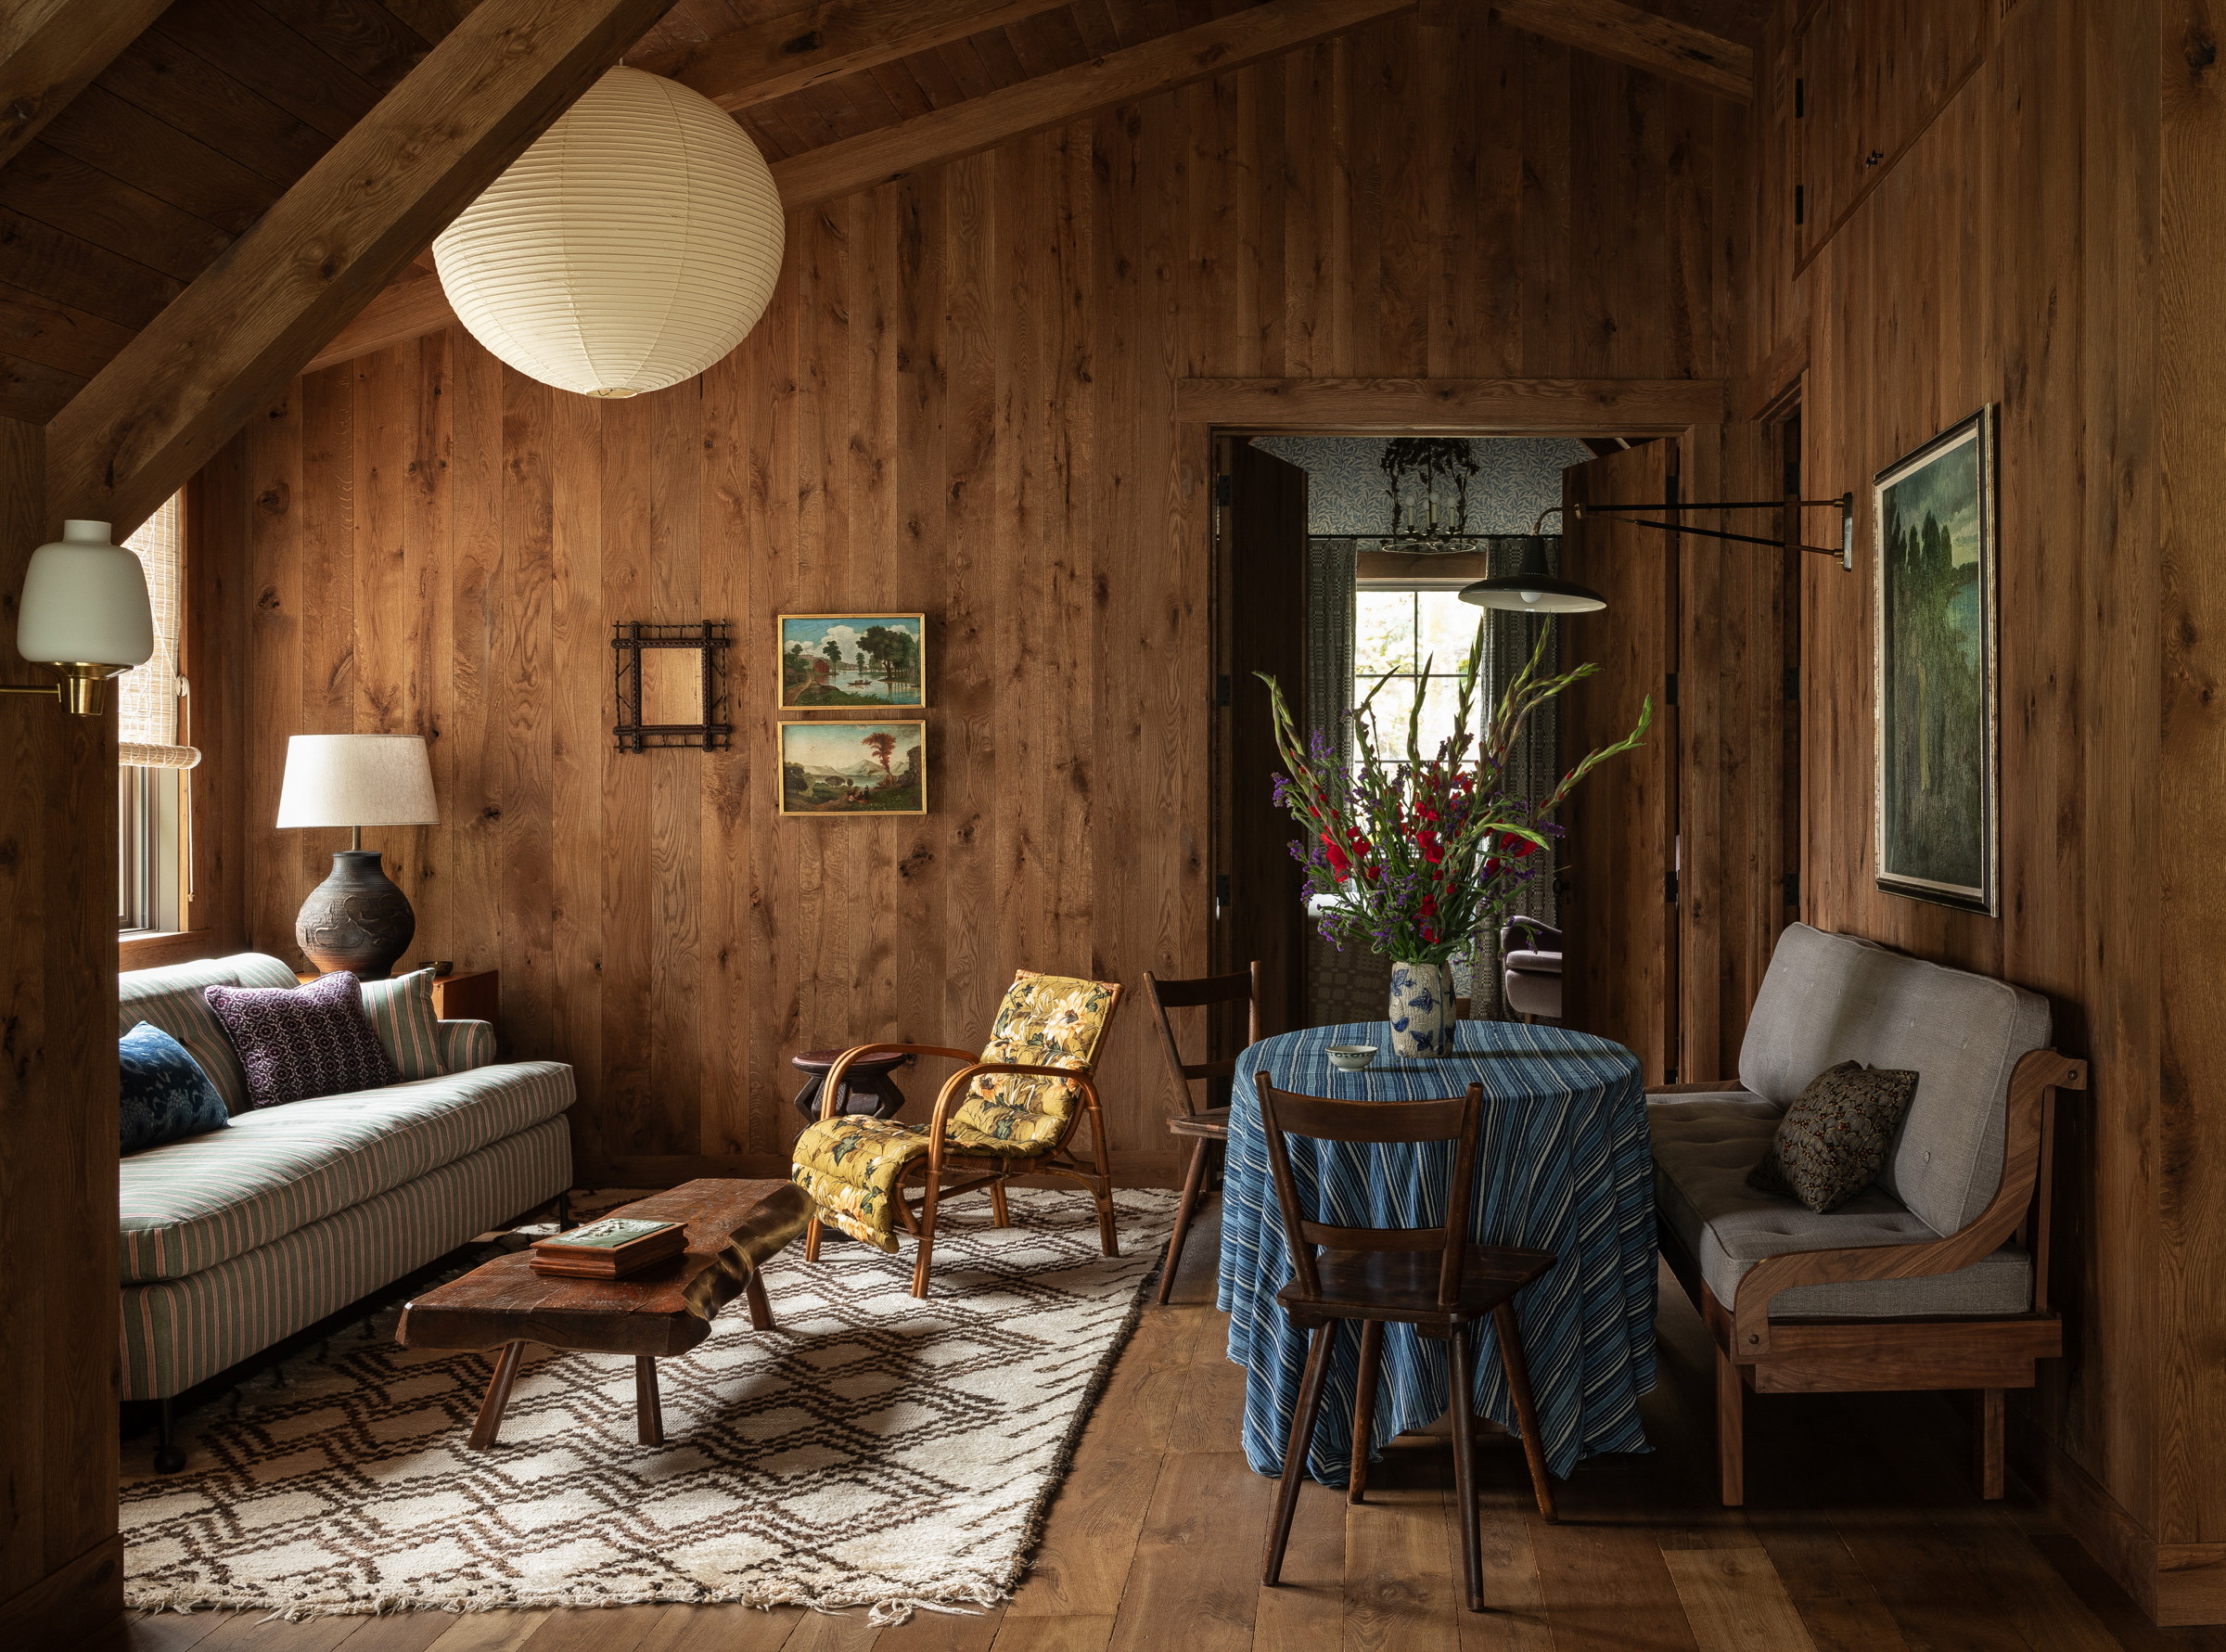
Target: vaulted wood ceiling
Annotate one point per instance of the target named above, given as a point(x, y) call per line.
point(142, 180)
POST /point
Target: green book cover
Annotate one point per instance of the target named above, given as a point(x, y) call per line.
point(612, 1232)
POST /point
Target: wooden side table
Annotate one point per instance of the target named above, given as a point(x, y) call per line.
point(468, 996)
point(869, 1089)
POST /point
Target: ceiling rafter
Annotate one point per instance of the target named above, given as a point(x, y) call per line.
point(49, 52)
point(758, 63)
point(1642, 39)
point(179, 391)
point(1137, 71)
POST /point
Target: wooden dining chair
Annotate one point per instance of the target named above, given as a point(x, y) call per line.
point(1428, 1277)
point(1207, 1128)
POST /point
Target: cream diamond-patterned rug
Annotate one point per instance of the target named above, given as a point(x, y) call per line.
point(873, 1451)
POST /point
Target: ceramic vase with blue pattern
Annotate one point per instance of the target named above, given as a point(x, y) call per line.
point(1422, 1009)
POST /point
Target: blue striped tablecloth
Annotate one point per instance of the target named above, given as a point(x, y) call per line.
point(1565, 1165)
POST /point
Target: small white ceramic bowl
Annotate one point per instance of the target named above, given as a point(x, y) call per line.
point(1352, 1057)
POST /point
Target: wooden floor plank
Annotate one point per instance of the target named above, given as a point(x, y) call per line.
point(1081, 1633)
point(600, 1629)
point(832, 1632)
point(1734, 1602)
point(168, 1631)
point(720, 1629)
point(490, 1632)
point(1195, 1578)
point(942, 1631)
point(1400, 1588)
point(1308, 1607)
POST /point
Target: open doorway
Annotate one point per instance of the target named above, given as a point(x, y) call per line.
point(1340, 561)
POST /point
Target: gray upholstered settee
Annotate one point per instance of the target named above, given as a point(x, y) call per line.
point(1935, 1277)
point(235, 1239)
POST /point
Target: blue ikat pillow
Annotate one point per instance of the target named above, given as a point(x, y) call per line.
point(166, 1096)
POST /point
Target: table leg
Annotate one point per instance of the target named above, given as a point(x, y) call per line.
point(490, 1422)
point(761, 1310)
point(650, 1414)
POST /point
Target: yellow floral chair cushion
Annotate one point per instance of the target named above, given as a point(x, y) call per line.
point(852, 1166)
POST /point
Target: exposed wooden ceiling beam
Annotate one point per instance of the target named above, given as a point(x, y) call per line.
point(1643, 39)
point(49, 52)
point(177, 392)
point(1137, 71)
point(1517, 406)
point(411, 307)
point(836, 37)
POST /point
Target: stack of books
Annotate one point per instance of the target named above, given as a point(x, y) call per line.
point(610, 1249)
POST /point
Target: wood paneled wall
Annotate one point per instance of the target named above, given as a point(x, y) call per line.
point(960, 401)
point(2045, 239)
point(62, 1563)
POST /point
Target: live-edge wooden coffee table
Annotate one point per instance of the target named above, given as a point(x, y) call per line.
point(734, 1227)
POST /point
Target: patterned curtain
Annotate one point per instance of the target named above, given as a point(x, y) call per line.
point(1533, 767)
point(1329, 618)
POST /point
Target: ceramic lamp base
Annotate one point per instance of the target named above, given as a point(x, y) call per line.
point(356, 919)
point(1422, 1009)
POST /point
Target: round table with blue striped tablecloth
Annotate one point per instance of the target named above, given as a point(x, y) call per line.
point(1565, 1165)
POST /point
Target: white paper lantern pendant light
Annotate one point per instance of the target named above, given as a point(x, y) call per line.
point(632, 247)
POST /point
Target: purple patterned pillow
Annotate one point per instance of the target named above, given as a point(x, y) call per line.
point(300, 1041)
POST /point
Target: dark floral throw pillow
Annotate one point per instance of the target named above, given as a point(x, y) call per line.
point(1833, 1139)
point(300, 1041)
point(165, 1096)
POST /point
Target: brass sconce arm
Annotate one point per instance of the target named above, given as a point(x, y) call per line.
point(79, 689)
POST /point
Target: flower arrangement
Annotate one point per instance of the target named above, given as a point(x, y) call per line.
point(1415, 855)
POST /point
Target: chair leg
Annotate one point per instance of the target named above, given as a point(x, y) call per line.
point(1294, 1451)
point(1364, 1407)
point(1192, 1179)
point(1101, 1189)
point(1731, 1430)
point(1990, 1410)
point(1526, 1412)
point(812, 1239)
point(998, 1213)
point(927, 1203)
point(1462, 1398)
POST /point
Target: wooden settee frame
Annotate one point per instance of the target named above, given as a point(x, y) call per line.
point(1824, 1356)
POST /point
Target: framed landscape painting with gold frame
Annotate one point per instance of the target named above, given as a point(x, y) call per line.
point(852, 661)
point(853, 767)
point(1938, 776)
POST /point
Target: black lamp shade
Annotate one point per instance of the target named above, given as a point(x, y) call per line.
point(1533, 589)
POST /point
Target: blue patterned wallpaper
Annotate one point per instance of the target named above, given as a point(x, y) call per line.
point(1516, 478)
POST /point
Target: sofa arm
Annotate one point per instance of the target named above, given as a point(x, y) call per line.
point(465, 1044)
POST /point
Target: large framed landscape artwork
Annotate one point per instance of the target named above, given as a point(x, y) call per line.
point(853, 767)
point(844, 661)
point(1939, 753)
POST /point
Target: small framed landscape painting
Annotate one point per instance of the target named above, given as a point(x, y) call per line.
point(1938, 757)
point(853, 767)
point(844, 661)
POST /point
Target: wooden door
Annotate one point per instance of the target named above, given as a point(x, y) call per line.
point(1260, 526)
point(1738, 722)
point(1618, 912)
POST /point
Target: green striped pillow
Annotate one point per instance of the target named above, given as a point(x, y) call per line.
point(401, 1014)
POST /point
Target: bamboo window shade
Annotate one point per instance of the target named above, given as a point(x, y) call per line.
point(150, 697)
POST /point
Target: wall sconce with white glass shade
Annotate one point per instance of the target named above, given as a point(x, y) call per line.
point(632, 246)
point(84, 613)
point(356, 919)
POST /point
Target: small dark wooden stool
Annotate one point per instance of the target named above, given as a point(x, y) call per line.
point(869, 1089)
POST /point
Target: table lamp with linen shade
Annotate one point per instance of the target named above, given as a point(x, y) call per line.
point(356, 919)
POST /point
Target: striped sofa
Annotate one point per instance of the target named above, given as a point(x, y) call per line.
point(236, 1239)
